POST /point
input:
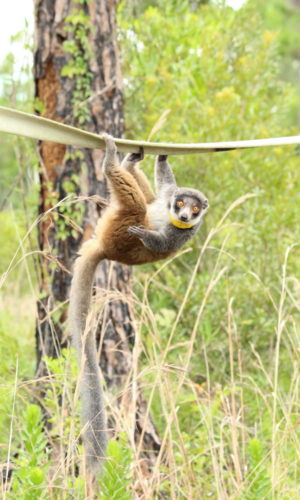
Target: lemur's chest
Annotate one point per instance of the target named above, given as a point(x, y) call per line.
point(158, 214)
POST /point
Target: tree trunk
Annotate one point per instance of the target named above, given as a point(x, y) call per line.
point(78, 81)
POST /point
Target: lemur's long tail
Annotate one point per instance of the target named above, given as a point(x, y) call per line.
point(91, 394)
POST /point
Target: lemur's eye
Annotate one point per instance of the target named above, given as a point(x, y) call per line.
point(196, 209)
point(180, 203)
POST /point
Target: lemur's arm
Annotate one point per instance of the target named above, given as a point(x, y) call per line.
point(152, 239)
point(164, 176)
point(162, 242)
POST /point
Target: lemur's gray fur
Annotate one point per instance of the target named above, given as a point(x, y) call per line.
point(165, 236)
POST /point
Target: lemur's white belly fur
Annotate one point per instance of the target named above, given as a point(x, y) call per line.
point(158, 213)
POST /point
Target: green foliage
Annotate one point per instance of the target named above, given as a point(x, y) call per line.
point(68, 215)
point(12, 229)
point(258, 474)
point(201, 66)
point(116, 479)
point(59, 392)
point(218, 73)
point(18, 158)
point(77, 68)
point(17, 317)
point(282, 18)
point(32, 463)
point(17, 350)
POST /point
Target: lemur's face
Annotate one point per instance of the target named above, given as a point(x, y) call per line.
point(188, 205)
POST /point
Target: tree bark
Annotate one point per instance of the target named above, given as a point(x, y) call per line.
point(62, 168)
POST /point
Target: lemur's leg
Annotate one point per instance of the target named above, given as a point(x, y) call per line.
point(124, 188)
point(130, 164)
point(163, 174)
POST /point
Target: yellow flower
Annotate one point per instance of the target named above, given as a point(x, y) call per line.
point(244, 61)
point(151, 80)
point(166, 75)
point(151, 13)
point(278, 151)
point(210, 111)
point(263, 132)
point(269, 36)
point(227, 94)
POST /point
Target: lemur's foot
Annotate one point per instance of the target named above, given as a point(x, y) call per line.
point(110, 158)
point(138, 231)
point(136, 157)
point(162, 157)
point(109, 142)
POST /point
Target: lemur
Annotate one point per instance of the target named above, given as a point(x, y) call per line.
point(137, 227)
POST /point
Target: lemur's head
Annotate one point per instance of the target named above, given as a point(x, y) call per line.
point(187, 207)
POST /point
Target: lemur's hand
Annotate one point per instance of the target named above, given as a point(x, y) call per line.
point(110, 159)
point(139, 231)
point(162, 157)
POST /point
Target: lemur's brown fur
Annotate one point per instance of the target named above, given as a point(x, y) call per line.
point(128, 207)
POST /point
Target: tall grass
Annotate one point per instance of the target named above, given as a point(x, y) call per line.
point(227, 432)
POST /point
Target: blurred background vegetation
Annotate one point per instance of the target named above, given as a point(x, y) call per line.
point(193, 72)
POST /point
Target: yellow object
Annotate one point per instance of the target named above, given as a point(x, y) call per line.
point(180, 224)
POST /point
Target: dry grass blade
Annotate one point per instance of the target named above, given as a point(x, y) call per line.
point(159, 124)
